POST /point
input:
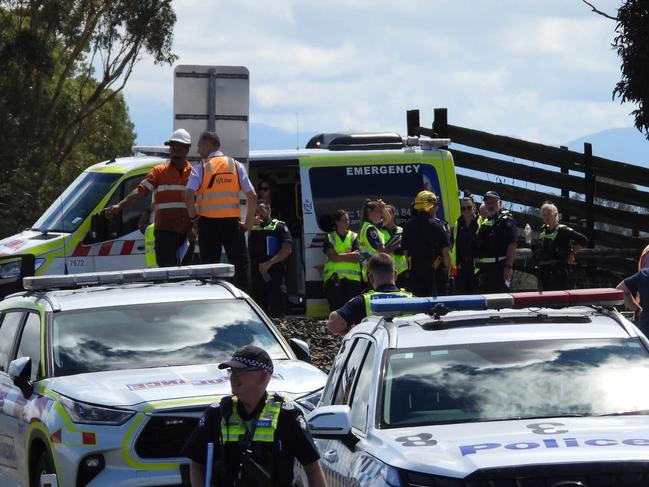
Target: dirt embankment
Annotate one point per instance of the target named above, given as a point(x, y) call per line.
point(323, 345)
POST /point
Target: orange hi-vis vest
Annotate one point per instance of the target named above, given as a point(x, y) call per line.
point(218, 194)
point(168, 185)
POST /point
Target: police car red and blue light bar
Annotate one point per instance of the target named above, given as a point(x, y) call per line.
point(389, 306)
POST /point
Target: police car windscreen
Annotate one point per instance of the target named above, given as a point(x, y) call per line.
point(500, 381)
point(157, 334)
point(347, 187)
point(70, 209)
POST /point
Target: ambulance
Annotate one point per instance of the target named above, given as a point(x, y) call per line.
point(334, 171)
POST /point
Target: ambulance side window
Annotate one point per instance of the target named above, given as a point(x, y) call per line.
point(126, 221)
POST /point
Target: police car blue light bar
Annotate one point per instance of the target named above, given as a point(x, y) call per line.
point(162, 274)
point(388, 306)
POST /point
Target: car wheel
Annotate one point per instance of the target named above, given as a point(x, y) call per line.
point(43, 465)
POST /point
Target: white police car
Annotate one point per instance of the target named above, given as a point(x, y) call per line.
point(103, 376)
point(509, 392)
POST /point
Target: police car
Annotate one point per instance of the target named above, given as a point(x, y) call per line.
point(522, 389)
point(103, 376)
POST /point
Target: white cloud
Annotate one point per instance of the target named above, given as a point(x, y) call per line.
point(541, 69)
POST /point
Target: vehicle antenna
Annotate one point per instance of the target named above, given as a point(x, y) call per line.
point(297, 130)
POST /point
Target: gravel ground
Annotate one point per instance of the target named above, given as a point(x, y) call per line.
point(323, 345)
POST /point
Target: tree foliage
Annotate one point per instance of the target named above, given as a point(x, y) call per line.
point(632, 44)
point(64, 65)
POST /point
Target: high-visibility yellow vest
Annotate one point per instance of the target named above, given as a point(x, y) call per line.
point(367, 297)
point(365, 248)
point(400, 261)
point(345, 270)
point(149, 246)
point(218, 195)
point(265, 425)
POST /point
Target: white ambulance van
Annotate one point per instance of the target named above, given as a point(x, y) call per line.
point(334, 171)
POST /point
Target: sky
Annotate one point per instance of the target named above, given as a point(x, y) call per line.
point(541, 70)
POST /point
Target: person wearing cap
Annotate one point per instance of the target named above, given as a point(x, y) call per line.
point(426, 242)
point(495, 250)
point(382, 275)
point(172, 226)
point(256, 435)
point(212, 198)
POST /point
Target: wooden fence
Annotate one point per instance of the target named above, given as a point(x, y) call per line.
point(606, 200)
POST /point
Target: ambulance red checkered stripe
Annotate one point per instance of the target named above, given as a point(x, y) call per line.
point(112, 247)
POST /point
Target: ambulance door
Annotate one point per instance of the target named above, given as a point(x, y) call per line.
point(117, 244)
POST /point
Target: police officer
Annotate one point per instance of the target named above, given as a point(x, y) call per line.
point(390, 231)
point(426, 242)
point(373, 216)
point(558, 245)
point(270, 244)
point(212, 197)
point(495, 247)
point(464, 234)
point(382, 276)
point(256, 435)
point(342, 273)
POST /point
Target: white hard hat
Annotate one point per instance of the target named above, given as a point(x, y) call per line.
point(181, 136)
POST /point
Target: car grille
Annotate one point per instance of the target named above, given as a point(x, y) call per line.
point(600, 474)
point(164, 436)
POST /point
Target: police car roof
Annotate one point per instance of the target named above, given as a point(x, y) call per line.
point(506, 325)
point(129, 294)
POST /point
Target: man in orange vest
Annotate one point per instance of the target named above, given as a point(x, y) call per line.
point(212, 197)
point(167, 181)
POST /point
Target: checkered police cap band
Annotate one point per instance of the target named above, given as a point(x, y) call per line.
point(252, 363)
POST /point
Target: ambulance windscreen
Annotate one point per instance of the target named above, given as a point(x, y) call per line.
point(70, 210)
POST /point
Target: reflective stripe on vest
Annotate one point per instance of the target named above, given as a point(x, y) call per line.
point(345, 270)
point(400, 261)
point(550, 236)
point(368, 296)
point(218, 195)
point(149, 246)
point(265, 425)
point(166, 206)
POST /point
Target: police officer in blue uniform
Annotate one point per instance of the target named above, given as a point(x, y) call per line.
point(495, 250)
point(256, 436)
point(382, 276)
point(270, 244)
point(558, 245)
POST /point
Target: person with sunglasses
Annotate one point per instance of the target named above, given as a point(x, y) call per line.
point(256, 436)
point(462, 251)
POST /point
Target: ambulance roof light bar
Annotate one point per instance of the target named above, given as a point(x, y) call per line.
point(162, 274)
point(383, 306)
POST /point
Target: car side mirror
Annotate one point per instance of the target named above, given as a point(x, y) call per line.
point(300, 349)
point(330, 422)
point(20, 371)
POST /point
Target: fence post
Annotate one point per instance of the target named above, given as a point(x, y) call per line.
point(440, 122)
point(589, 176)
point(565, 192)
point(412, 119)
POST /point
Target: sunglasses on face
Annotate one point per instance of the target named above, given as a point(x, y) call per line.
point(465, 208)
point(238, 372)
point(264, 188)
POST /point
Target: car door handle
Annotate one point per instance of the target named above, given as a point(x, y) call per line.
point(331, 456)
point(140, 247)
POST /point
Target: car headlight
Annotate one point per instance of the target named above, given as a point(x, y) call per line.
point(89, 414)
point(310, 401)
point(10, 269)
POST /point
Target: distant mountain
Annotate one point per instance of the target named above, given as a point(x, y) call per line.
point(624, 145)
